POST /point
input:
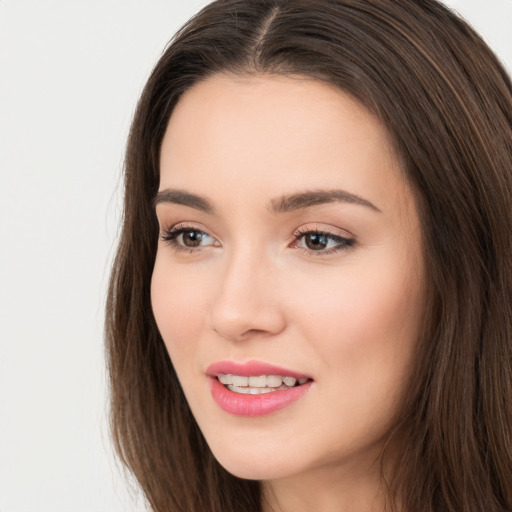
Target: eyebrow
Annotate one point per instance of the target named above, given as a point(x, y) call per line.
point(175, 196)
point(317, 197)
point(282, 204)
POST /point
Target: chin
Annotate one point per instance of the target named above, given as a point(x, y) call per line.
point(256, 464)
point(251, 470)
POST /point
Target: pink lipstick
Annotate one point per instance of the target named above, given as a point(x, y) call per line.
point(255, 388)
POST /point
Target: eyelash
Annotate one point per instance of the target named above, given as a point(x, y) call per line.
point(343, 243)
point(171, 235)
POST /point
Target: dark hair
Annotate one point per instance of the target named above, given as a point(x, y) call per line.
point(447, 104)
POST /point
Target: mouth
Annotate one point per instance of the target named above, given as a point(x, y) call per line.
point(255, 388)
point(261, 384)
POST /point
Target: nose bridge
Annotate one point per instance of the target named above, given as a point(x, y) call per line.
point(246, 300)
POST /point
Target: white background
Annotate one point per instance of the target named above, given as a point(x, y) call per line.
point(70, 75)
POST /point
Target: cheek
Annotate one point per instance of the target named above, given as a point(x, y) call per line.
point(180, 306)
point(363, 324)
point(365, 321)
point(373, 297)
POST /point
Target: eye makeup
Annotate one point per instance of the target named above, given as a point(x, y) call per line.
point(312, 241)
point(188, 238)
point(321, 243)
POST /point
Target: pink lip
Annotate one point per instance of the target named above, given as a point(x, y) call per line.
point(249, 368)
point(253, 405)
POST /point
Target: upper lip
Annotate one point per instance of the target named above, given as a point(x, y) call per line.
point(251, 368)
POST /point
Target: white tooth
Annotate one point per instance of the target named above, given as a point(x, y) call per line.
point(274, 381)
point(238, 380)
point(225, 379)
point(258, 382)
point(237, 389)
point(249, 391)
point(303, 381)
point(289, 381)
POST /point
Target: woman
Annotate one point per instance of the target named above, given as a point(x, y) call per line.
point(310, 308)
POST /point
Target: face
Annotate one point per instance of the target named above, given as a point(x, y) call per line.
point(290, 267)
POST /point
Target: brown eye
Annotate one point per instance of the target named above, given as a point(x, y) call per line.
point(192, 238)
point(315, 241)
point(322, 242)
point(188, 238)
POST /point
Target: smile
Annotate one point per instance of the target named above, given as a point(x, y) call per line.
point(255, 388)
point(257, 385)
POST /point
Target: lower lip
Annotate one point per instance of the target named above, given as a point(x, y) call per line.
point(241, 404)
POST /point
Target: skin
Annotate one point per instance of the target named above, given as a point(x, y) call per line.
point(348, 316)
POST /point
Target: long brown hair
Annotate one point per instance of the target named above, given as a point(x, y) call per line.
point(447, 103)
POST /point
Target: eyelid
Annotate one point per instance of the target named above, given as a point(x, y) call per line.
point(170, 234)
point(184, 225)
point(328, 229)
point(344, 239)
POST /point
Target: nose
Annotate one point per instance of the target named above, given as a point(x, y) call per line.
point(246, 304)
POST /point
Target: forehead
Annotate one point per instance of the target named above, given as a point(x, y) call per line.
point(272, 134)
